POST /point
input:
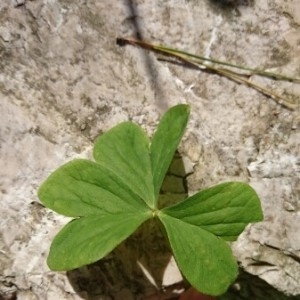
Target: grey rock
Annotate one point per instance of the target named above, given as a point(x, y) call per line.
point(64, 81)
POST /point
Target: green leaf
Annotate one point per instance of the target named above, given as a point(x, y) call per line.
point(82, 188)
point(223, 210)
point(205, 260)
point(124, 149)
point(88, 239)
point(165, 142)
point(113, 196)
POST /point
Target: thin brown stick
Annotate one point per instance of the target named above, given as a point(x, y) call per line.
point(235, 76)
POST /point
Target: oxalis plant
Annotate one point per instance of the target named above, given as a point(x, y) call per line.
point(109, 198)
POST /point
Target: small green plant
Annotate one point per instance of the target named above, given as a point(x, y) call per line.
point(111, 197)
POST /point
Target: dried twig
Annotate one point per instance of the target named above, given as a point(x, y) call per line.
point(201, 62)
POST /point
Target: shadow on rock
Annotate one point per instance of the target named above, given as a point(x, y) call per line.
point(250, 287)
point(232, 3)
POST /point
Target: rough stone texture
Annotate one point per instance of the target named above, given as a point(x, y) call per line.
point(63, 81)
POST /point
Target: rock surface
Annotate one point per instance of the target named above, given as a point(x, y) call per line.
point(63, 81)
